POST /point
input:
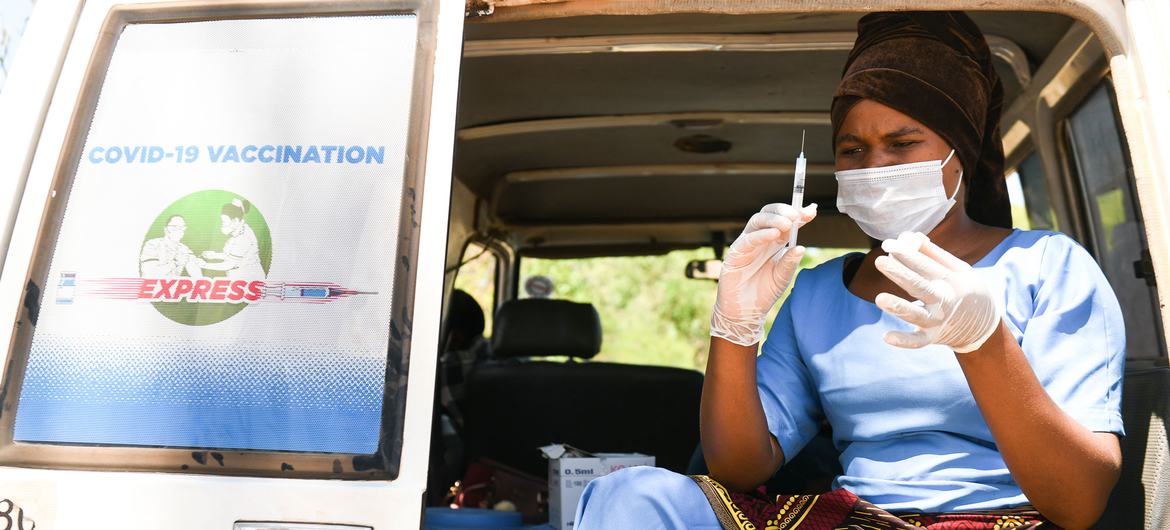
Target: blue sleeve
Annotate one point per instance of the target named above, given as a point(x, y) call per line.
point(1075, 338)
point(786, 388)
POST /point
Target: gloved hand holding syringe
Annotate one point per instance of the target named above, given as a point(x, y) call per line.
point(759, 265)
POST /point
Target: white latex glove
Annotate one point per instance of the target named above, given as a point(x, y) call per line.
point(954, 307)
point(756, 270)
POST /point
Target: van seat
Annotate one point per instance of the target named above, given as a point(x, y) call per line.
point(1141, 498)
point(515, 404)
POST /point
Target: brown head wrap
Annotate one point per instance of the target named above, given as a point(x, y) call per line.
point(936, 68)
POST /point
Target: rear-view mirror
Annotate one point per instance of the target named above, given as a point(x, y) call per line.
point(704, 269)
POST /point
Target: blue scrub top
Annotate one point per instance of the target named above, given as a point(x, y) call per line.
point(910, 434)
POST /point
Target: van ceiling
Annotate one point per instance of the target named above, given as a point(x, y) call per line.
point(609, 133)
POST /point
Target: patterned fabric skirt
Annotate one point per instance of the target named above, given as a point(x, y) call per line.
point(840, 509)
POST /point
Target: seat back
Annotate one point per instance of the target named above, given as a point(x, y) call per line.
point(513, 409)
point(515, 405)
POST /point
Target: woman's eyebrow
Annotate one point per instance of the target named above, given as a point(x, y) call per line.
point(904, 131)
point(847, 138)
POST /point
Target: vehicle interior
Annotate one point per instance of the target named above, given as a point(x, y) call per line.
point(583, 135)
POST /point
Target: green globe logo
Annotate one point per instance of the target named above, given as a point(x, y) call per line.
point(205, 257)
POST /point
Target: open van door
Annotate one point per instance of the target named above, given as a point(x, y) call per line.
point(224, 262)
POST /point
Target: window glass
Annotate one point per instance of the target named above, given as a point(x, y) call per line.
point(1033, 207)
point(1101, 162)
point(477, 277)
point(224, 270)
point(651, 313)
point(1019, 205)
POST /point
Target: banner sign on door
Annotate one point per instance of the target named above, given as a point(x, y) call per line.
point(223, 274)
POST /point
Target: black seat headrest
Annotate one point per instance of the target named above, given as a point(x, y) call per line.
point(536, 327)
point(464, 322)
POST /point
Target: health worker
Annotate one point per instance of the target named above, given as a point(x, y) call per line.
point(970, 372)
point(241, 252)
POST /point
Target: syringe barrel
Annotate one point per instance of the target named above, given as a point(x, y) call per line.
point(797, 193)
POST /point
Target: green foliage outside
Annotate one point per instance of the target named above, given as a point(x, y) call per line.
point(1111, 212)
point(651, 313)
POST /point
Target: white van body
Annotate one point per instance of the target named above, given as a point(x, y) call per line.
point(48, 86)
point(40, 97)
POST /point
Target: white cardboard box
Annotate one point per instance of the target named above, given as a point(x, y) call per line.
point(570, 469)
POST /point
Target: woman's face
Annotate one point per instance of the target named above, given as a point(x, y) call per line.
point(227, 225)
point(874, 135)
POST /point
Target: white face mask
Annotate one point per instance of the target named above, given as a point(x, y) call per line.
point(886, 201)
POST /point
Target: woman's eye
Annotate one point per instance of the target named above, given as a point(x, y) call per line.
point(849, 151)
point(906, 144)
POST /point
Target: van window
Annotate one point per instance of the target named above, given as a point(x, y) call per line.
point(651, 313)
point(1016, 197)
point(478, 276)
point(226, 262)
point(1032, 207)
point(1098, 155)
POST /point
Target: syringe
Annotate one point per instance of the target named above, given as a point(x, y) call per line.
point(778, 248)
point(797, 188)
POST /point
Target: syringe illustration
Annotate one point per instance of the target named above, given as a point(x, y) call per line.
point(308, 292)
point(797, 188)
point(70, 287)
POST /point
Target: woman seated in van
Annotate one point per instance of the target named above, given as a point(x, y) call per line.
point(972, 378)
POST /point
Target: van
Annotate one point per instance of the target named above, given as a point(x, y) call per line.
point(231, 230)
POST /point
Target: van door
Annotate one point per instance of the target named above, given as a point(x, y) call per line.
point(225, 264)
